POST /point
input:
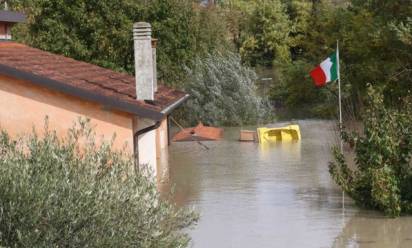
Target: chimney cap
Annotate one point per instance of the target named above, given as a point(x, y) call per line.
point(141, 25)
point(12, 16)
point(142, 30)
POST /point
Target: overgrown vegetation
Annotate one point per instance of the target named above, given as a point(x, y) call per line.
point(288, 36)
point(223, 92)
point(375, 46)
point(73, 192)
point(382, 176)
point(100, 32)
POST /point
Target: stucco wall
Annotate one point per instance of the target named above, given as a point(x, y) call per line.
point(146, 144)
point(147, 151)
point(151, 145)
point(24, 105)
point(161, 138)
point(162, 143)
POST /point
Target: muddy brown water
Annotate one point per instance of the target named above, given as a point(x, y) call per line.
point(274, 196)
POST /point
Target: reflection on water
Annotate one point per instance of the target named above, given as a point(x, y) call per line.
point(371, 230)
point(278, 195)
point(269, 151)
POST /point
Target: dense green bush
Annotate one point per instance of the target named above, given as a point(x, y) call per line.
point(55, 194)
point(382, 178)
point(223, 92)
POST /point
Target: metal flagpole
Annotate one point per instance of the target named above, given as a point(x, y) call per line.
point(340, 116)
point(340, 95)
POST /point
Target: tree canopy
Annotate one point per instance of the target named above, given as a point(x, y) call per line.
point(100, 32)
point(290, 37)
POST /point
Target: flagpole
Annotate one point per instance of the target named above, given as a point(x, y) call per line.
point(340, 96)
point(340, 117)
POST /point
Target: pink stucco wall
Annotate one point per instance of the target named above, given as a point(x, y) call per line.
point(24, 105)
point(162, 138)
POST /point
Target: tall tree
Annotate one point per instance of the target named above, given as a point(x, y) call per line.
point(266, 35)
point(100, 31)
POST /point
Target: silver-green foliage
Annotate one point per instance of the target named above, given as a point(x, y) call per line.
point(55, 194)
point(223, 92)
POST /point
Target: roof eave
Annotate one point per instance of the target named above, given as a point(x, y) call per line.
point(109, 102)
point(12, 16)
point(171, 107)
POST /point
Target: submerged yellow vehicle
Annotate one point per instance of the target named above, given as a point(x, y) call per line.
point(278, 134)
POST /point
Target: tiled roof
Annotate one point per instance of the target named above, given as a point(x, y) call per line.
point(84, 80)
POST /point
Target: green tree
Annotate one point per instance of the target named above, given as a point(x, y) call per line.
point(73, 192)
point(398, 10)
point(382, 176)
point(375, 45)
point(100, 32)
point(266, 35)
point(300, 14)
point(296, 95)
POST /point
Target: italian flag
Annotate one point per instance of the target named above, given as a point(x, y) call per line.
point(326, 72)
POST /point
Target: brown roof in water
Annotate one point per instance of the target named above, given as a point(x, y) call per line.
point(90, 82)
point(199, 133)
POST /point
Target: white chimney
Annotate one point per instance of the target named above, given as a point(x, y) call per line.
point(144, 64)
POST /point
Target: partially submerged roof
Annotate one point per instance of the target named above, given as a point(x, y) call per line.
point(89, 82)
point(199, 133)
point(11, 16)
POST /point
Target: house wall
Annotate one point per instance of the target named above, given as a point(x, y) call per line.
point(147, 151)
point(162, 140)
point(146, 144)
point(163, 172)
point(24, 105)
point(151, 145)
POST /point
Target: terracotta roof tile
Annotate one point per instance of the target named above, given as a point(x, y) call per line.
point(83, 76)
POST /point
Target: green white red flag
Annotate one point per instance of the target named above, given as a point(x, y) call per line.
point(326, 72)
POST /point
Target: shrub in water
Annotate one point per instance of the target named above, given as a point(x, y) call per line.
point(382, 178)
point(223, 92)
point(74, 193)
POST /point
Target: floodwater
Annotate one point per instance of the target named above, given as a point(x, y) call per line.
point(274, 196)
